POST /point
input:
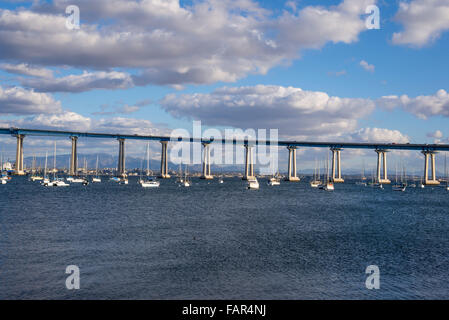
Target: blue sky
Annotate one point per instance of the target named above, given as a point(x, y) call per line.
point(263, 46)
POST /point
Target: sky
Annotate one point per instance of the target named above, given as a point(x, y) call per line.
point(313, 70)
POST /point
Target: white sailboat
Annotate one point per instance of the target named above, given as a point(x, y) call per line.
point(329, 186)
point(446, 173)
point(316, 182)
point(253, 183)
point(274, 180)
point(56, 182)
point(34, 175)
point(399, 186)
point(151, 181)
point(362, 176)
point(4, 175)
point(96, 179)
point(85, 180)
point(186, 182)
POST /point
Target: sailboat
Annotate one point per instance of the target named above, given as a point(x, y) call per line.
point(4, 175)
point(399, 186)
point(96, 179)
point(85, 181)
point(362, 176)
point(179, 179)
point(421, 185)
point(186, 182)
point(151, 181)
point(46, 180)
point(220, 180)
point(329, 186)
point(56, 182)
point(253, 183)
point(316, 182)
point(274, 180)
point(35, 176)
point(446, 174)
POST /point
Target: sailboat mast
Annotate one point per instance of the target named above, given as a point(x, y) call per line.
point(54, 163)
point(45, 170)
point(148, 158)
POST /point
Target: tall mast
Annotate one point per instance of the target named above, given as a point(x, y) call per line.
point(148, 158)
point(54, 163)
point(45, 170)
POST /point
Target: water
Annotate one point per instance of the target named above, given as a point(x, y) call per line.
point(220, 241)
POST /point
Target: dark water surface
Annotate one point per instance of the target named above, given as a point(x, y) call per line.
point(220, 241)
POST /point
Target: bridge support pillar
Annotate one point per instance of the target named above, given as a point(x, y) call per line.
point(382, 157)
point(121, 171)
point(164, 161)
point(74, 157)
point(206, 163)
point(19, 155)
point(336, 166)
point(292, 165)
point(434, 180)
point(249, 164)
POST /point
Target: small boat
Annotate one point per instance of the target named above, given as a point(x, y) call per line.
point(96, 179)
point(399, 188)
point(446, 174)
point(329, 186)
point(150, 183)
point(56, 182)
point(3, 181)
point(186, 182)
point(123, 181)
point(59, 182)
point(253, 184)
point(76, 180)
point(316, 182)
point(274, 181)
point(220, 180)
point(115, 179)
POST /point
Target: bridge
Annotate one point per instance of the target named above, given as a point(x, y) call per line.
point(429, 151)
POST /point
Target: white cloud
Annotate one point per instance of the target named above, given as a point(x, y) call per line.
point(206, 42)
point(79, 83)
point(423, 21)
point(293, 111)
point(379, 135)
point(421, 106)
point(69, 120)
point(368, 67)
point(19, 101)
point(26, 69)
point(437, 134)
